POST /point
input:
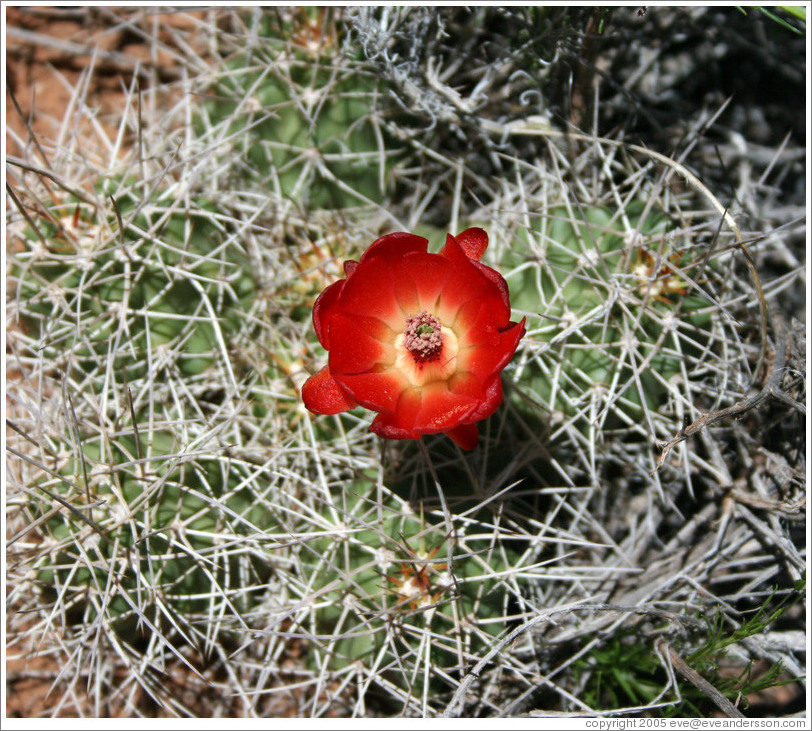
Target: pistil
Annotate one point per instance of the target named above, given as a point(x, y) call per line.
point(423, 337)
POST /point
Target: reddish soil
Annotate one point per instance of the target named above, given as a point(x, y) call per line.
point(50, 50)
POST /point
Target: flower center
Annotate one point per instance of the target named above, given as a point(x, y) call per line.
point(423, 337)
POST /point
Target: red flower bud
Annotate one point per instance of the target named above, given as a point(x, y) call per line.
point(420, 338)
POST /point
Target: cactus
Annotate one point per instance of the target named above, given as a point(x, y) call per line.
point(153, 555)
point(125, 299)
point(299, 114)
point(168, 277)
point(173, 340)
point(184, 539)
point(394, 596)
point(606, 285)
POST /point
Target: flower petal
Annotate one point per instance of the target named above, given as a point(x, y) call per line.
point(509, 338)
point(466, 435)
point(425, 275)
point(491, 402)
point(378, 391)
point(443, 284)
point(400, 421)
point(361, 319)
point(466, 285)
point(441, 409)
point(322, 394)
point(371, 291)
point(384, 426)
point(323, 310)
point(485, 360)
point(394, 246)
point(360, 344)
point(474, 324)
point(426, 410)
point(473, 241)
point(467, 384)
point(406, 293)
point(499, 281)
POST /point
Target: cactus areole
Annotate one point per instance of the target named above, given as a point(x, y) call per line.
point(419, 338)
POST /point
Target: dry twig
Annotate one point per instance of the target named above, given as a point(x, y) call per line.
point(772, 388)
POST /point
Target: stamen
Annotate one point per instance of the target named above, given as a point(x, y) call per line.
point(423, 337)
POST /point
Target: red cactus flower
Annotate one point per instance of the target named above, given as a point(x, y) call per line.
point(420, 338)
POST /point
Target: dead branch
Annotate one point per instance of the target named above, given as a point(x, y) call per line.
point(772, 389)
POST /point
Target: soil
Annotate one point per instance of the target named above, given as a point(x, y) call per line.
point(50, 50)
